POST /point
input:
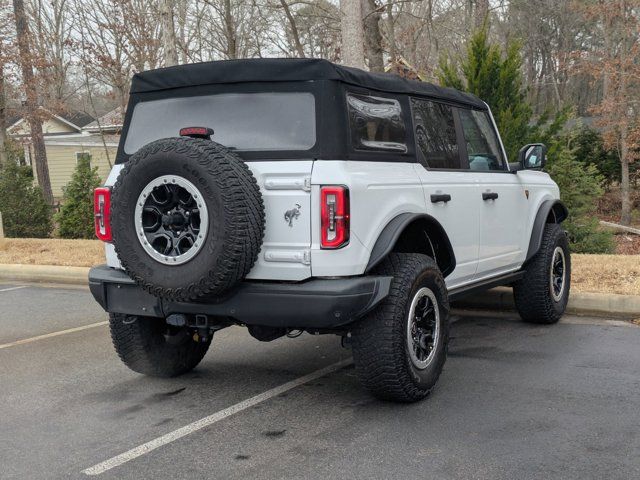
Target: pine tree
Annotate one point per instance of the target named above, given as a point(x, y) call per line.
point(76, 215)
point(497, 80)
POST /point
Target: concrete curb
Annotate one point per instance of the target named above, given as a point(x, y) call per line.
point(44, 274)
point(497, 299)
point(599, 304)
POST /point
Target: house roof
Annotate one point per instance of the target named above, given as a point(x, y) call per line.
point(109, 120)
point(289, 70)
point(73, 118)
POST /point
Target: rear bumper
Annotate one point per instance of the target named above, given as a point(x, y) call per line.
point(315, 303)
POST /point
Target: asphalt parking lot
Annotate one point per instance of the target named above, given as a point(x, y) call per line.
point(515, 401)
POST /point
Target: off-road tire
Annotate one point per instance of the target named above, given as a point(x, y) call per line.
point(143, 347)
point(379, 344)
point(532, 294)
point(235, 213)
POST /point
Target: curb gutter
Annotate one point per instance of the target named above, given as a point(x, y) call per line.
point(500, 298)
point(580, 303)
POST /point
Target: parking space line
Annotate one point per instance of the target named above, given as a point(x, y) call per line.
point(210, 420)
point(52, 334)
point(12, 288)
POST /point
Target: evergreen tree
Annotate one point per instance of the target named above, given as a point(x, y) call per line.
point(580, 186)
point(24, 211)
point(497, 81)
point(76, 215)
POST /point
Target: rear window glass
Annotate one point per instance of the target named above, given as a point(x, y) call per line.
point(242, 121)
point(376, 123)
point(435, 132)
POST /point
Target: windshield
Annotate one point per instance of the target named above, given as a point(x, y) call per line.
point(244, 121)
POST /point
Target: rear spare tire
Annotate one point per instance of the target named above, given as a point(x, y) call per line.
point(187, 218)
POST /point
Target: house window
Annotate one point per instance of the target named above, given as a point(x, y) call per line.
point(83, 156)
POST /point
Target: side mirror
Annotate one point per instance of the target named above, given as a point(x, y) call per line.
point(532, 156)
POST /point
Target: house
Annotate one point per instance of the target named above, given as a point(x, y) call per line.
point(68, 137)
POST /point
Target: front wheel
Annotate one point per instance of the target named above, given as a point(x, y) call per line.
point(148, 345)
point(542, 295)
point(400, 348)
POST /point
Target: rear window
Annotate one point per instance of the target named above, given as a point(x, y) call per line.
point(376, 123)
point(242, 121)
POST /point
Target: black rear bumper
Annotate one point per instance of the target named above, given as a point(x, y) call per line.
point(315, 303)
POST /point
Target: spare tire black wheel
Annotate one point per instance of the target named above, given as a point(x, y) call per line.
point(187, 218)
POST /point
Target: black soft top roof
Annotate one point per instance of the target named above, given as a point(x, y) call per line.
point(290, 70)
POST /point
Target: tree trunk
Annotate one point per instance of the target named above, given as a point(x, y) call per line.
point(168, 33)
point(481, 13)
point(352, 33)
point(294, 28)
point(625, 189)
point(391, 33)
point(372, 35)
point(230, 31)
point(3, 119)
point(31, 104)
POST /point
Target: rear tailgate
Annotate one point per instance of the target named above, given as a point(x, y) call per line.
point(286, 191)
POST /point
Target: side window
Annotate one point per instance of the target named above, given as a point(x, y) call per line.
point(435, 133)
point(483, 146)
point(376, 123)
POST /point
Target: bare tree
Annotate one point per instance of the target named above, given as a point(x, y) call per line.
point(294, 29)
point(51, 24)
point(481, 13)
point(352, 33)
point(31, 103)
point(168, 33)
point(372, 35)
point(617, 64)
point(3, 117)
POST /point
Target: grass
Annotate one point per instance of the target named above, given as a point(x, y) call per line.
point(34, 251)
point(591, 273)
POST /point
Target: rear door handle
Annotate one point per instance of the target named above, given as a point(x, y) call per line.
point(440, 197)
point(489, 195)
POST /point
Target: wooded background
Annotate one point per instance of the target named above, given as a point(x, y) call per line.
point(575, 63)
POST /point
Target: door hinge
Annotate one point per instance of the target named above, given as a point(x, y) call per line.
point(288, 256)
point(296, 183)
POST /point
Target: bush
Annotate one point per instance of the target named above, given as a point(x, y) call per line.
point(24, 211)
point(76, 215)
point(580, 188)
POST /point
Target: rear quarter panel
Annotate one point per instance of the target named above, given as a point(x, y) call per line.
point(379, 191)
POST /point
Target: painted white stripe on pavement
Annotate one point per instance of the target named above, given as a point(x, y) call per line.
point(50, 335)
point(210, 420)
point(12, 288)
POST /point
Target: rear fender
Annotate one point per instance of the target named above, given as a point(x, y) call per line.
point(414, 233)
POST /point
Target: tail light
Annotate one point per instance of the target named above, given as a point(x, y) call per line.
point(102, 213)
point(334, 216)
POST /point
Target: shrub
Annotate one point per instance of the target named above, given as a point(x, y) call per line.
point(24, 211)
point(76, 215)
point(580, 188)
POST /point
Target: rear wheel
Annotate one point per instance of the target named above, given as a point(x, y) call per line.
point(148, 345)
point(542, 295)
point(400, 348)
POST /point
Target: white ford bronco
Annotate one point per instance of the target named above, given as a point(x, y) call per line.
point(292, 195)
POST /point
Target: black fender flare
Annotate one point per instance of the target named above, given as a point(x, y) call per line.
point(391, 233)
point(549, 207)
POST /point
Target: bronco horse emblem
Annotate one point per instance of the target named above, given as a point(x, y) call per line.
point(291, 215)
